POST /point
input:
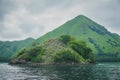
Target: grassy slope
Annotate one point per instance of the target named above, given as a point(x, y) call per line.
point(85, 29)
point(8, 48)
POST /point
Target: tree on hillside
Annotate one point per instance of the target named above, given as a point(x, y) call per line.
point(81, 48)
point(65, 38)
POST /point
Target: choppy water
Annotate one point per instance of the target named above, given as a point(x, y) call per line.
point(102, 71)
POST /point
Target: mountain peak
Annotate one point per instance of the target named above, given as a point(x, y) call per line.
point(81, 17)
point(83, 20)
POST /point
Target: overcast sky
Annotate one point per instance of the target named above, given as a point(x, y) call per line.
point(20, 19)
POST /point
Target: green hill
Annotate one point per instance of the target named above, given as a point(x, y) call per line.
point(103, 43)
point(63, 50)
point(9, 48)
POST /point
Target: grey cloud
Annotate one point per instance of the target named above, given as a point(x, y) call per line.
point(6, 6)
point(6, 34)
point(32, 29)
point(2, 28)
point(10, 35)
point(27, 27)
point(39, 6)
point(51, 13)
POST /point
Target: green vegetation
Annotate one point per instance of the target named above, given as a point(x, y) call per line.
point(31, 55)
point(81, 48)
point(100, 40)
point(67, 56)
point(65, 38)
point(54, 51)
point(9, 48)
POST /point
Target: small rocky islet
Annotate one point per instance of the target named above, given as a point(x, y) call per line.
point(63, 50)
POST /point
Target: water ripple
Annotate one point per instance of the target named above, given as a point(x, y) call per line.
point(101, 71)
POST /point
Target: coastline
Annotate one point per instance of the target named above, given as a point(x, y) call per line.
point(51, 64)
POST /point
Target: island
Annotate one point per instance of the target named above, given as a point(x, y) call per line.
point(62, 50)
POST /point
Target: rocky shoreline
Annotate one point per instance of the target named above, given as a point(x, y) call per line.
point(48, 64)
